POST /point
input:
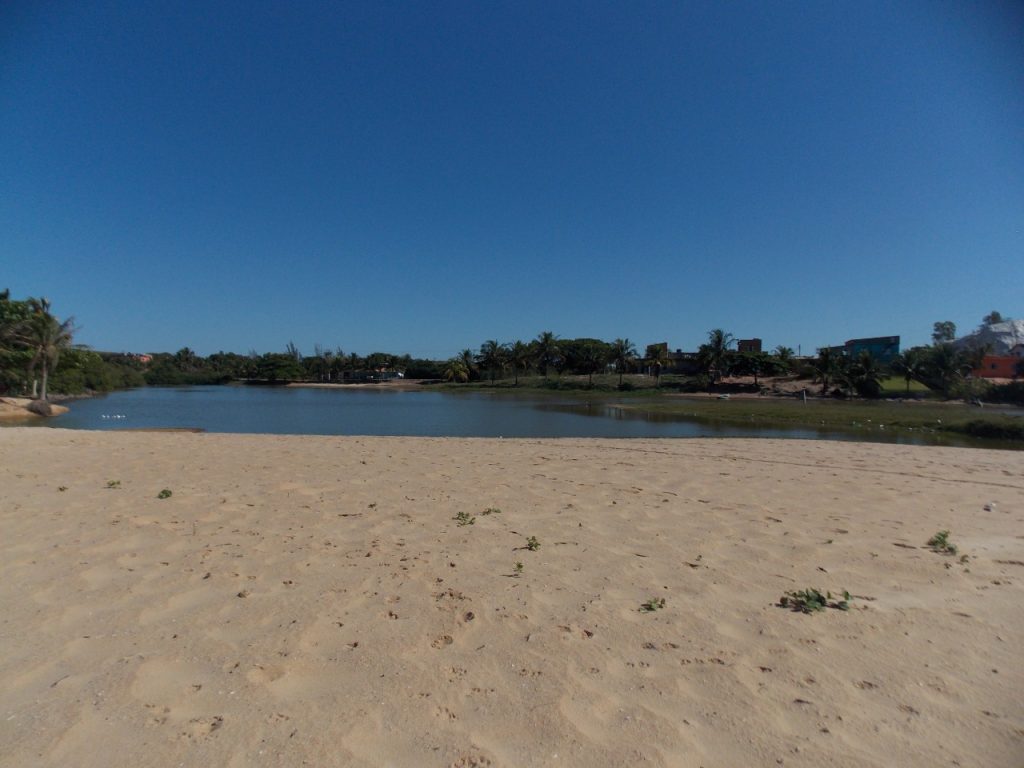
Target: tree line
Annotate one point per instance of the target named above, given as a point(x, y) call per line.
point(38, 356)
point(547, 354)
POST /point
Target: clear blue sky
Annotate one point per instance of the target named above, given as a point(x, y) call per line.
point(420, 177)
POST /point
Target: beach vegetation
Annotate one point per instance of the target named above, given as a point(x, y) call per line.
point(517, 569)
point(164, 494)
point(811, 600)
point(112, 484)
point(532, 544)
point(464, 518)
point(491, 511)
point(940, 543)
point(32, 337)
point(652, 605)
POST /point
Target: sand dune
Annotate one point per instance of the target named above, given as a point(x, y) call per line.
point(312, 601)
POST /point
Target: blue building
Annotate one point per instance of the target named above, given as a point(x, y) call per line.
point(882, 348)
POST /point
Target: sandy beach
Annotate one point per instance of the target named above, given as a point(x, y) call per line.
point(311, 601)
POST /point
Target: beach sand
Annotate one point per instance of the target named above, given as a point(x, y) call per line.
point(310, 601)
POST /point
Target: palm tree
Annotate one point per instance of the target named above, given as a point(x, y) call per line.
point(45, 337)
point(910, 363)
point(657, 358)
point(716, 351)
point(785, 356)
point(593, 357)
point(826, 367)
point(492, 357)
point(865, 375)
point(468, 361)
point(519, 357)
point(943, 368)
point(623, 353)
point(456, 370)
point(547, 351)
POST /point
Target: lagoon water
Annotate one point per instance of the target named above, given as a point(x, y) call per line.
point(313, 411)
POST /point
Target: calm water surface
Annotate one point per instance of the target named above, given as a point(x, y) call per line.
point(283, 410)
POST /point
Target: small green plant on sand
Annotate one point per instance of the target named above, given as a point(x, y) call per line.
point(811, 600)
point(940, 543)
point(491, 511)
point(652, 605)
point(164, 494)
point(532, 544)
point(113, 483)
point(518, 569)
point(464, 518)
point(62, 488)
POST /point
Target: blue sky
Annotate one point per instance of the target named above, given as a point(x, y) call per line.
point(420, 177)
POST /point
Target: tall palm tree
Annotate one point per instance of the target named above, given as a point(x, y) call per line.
point(519, 357)
point(910, 363)
point(593, 357)
point(944, 368)
point(657, 358)
point(716, 351)
point(623, 353)
point(826, 368)
point(468, 361)
point(45, 337)
point(492, 357)
point(547, 351)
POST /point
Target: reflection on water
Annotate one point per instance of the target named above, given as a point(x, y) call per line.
point(312, 411)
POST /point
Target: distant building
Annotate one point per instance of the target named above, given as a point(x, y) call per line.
point(748, 345)
point(683, 362)
point(882, 348)
point(1000, 366)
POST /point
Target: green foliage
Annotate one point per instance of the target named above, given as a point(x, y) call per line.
point(113, 484)
point(864, 375)
point(811, 600)
point(30, 329)
point(943, 332)
point(164, 494)
point(940, 543)
point(1012, 392)
point(456, 371)
point(493, 357)
point(533, 544)
point(464, 518)
point(518, 568)
point(623, 354)
point(652, 605)
point(714, 357)
point(547, 352)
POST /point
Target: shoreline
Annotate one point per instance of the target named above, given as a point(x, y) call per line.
point(316, 599)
